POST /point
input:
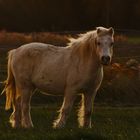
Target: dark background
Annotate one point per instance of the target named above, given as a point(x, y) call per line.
point(68, 15)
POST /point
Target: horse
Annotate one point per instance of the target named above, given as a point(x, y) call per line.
point(76, 69)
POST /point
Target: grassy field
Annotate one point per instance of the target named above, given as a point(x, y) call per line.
point(109, 124)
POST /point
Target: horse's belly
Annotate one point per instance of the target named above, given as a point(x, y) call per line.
point(51, 87)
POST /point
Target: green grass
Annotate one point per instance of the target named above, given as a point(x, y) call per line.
point(133, 40)
point(109, 124)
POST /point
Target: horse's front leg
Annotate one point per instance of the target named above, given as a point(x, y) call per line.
point(85, 111)
point(65, 109)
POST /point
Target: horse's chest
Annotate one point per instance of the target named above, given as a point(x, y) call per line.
point(92, 80)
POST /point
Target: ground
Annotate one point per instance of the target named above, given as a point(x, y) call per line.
point(110, 123)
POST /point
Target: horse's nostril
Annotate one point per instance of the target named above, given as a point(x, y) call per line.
point(105, 59)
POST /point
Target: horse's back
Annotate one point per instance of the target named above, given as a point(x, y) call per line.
point(35, 49)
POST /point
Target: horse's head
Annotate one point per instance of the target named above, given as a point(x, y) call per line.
point(104, 44)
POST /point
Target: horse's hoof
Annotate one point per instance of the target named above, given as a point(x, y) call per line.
point(15, 124)
point(86, 126)
point(58, 125)
point(27, 125)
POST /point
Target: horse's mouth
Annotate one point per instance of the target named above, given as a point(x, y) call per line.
point(105, 63)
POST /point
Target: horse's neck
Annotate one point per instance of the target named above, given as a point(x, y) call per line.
point(81, 50)
point(86, 62)
point(85, 54)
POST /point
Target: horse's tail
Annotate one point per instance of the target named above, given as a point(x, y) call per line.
point(10, 88)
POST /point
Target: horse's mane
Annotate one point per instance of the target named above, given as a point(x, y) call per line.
point(84, 45)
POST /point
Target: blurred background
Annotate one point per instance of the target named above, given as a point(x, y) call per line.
point(68, 15)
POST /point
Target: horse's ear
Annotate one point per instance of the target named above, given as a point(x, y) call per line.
point(111, 31)
point(98, 30)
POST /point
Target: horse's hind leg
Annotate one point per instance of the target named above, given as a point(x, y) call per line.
point(15, 118)
point(26, 94)
point(65, 109)
point(85, 111)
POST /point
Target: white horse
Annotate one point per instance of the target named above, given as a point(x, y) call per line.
point(75, 69)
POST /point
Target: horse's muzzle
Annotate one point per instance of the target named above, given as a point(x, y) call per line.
point(105, 60)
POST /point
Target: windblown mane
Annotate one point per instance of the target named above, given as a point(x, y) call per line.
point(84, 45)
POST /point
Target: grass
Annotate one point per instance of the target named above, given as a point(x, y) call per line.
point(129, 40)
point(109, 124)
point(134, 40)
